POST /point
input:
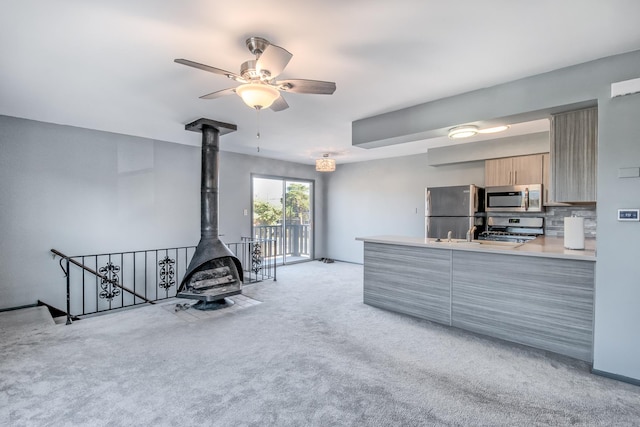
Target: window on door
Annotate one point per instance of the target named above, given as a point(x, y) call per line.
point(283, 211)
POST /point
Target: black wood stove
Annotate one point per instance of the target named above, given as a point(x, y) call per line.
point(214, 272)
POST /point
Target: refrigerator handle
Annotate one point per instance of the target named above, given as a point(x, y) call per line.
point(428, 207)
point(475, 201)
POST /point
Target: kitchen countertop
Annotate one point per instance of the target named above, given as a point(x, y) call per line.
point(549, 247)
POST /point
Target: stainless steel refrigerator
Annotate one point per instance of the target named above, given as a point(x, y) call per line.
point(456, 209)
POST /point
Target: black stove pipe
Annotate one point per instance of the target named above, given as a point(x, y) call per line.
point(209, 200)
point(210, 246)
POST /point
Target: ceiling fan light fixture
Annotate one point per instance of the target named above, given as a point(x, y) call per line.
point(494, 129)
point(325, 164)
point(462, 131)
point(258, 95)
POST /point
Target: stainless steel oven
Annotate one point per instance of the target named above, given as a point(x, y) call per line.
point(514, 198)
point(513, 229)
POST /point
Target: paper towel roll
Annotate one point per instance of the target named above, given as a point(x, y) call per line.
point(574, 232)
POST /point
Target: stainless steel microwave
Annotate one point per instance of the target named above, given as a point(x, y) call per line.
point(514, 198)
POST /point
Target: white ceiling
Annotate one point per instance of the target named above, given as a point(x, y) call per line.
point(108, 64)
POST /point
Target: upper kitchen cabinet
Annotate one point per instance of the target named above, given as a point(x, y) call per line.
point(546, 164)
point(573, 156)
point(513, 170)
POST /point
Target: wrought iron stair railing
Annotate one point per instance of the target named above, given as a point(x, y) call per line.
point(103, 282)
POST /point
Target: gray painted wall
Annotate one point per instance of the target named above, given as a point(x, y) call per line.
point(617, 309)
point(83, 191)
point(235, 193)
point(617, 325)
point(385, 197)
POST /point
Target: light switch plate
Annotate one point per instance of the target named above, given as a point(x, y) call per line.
point(628, 172)
point(628, 214)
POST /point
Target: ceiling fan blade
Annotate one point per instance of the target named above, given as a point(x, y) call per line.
point(210, 69)
point(219, 93)
point(306, 86)
point(274, 59)
point(279, 104)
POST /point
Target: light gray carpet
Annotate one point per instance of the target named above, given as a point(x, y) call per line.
point(311, 354)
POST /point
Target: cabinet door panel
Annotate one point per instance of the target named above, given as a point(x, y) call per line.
point(546, 188)
point(542, 302)
point(527, 169)
point(410, 280)
point(574, 155)
point(498, 172)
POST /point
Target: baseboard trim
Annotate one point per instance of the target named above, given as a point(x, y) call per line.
point(617, 377)
point(20, 307)
point(349, 262)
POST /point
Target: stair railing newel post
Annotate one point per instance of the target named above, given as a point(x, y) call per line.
point(68, 292)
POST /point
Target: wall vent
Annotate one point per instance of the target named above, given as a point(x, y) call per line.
point(626, 87)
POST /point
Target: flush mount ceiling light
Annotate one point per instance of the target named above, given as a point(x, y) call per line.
point(325, 164)
point(258, 95)
point(494, 129)
point(463, 131)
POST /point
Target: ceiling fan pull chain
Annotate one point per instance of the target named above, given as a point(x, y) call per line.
point(258, 132)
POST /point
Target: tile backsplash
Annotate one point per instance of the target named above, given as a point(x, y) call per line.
point(554, 219)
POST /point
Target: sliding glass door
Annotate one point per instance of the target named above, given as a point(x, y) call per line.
point(283, 211)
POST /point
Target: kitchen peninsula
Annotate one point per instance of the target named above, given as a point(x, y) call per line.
point(537, 293)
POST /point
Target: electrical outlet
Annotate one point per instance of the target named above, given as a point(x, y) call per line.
point(246, 212)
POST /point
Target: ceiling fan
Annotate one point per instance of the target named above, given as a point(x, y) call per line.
point(259, 88)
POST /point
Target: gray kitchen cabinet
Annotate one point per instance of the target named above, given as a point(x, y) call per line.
point(574, 156)
point(547, 188)
point(407, 279)
point(513, 170)
point(541, 302)
point(546, 184)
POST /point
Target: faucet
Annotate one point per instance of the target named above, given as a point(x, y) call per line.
point(449, 234)
point(470, 233)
